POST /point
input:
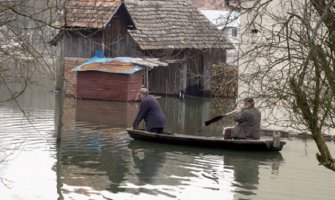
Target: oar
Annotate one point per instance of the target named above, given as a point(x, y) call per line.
point(217, 118)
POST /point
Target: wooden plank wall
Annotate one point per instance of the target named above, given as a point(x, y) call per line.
point(166, 80)
point(195, 70)
point(108, 86)
point(193, 77)
point(82, 44)
point(114, 40)
point(134, 85)
point(117, 40)
point(211, 57)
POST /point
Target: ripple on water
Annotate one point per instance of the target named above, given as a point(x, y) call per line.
point(95, 161)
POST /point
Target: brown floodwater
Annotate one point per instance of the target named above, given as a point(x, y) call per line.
point(96, 158)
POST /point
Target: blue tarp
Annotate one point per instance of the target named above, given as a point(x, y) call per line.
point(100, 58)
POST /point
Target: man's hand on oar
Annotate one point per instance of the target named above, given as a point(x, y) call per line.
point(217, 118)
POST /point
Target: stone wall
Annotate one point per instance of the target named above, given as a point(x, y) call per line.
point(71, 76)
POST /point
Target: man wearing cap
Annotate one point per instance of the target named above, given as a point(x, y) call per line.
point(150, 111)
point(248, 120)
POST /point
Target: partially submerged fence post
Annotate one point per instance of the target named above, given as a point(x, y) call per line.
point(276, 139)
point(59, 99)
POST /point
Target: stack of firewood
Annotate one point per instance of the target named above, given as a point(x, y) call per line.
point(224, 81)
point(221, 106)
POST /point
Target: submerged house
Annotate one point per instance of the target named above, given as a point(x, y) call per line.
point(173, 31)
point(225, 15)
point(117, 79)
point(108, 79)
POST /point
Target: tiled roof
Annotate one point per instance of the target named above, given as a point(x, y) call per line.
point(88, 13)
point(169, 24)
point(172, 24)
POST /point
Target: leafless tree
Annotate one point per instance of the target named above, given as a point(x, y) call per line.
point(25, 28)
point(288, 63)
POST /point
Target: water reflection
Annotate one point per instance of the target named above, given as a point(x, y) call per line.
point(27, 145)
point(177, 166)
point(147, 161)
point(108, 163)
point(93, 159)
point(185, 116)
point(246, 166)
point(188, 116)
point(96, 159)
point(98, 155)
point(110, 113)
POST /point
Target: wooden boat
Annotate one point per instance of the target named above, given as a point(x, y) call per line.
point(212, 142)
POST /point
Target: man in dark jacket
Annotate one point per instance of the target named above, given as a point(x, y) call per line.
point(150, 110)
point(249, 120)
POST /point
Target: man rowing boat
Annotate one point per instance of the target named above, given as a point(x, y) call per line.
point(150, 111)
point(248, 120)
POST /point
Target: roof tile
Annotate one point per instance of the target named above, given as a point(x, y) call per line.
point(172, 24)
point(88, 13)
point(160, 24)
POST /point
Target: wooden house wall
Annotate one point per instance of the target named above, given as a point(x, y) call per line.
point(114, 40)
point(186, 76)
point(167, 80)
point(134, 84)
point(191, 76)
point(195, 70)
point(82, 44)
point(108, 86)
point(211, 57)
point(117, 40)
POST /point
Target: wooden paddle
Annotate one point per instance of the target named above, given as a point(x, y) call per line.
point(217, 118)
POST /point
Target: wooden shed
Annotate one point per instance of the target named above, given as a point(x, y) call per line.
point(174, 31)
point(117, 79)
point(108, 79)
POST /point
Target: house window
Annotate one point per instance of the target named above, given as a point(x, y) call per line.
point(234, 32)
point(226, 2)
point(254, 31)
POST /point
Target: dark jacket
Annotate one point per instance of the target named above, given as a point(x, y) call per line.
point(248, 126)
point(150, 110)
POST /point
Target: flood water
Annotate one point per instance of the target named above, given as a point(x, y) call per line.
point(96, 159)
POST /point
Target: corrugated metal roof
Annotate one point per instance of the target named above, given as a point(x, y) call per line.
point(111, 67)
point(119, 65)
point(88, 13)
point(149, 62)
